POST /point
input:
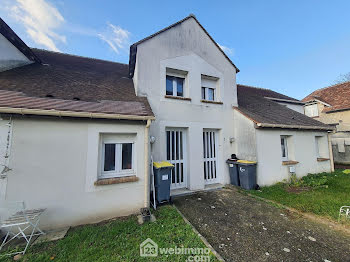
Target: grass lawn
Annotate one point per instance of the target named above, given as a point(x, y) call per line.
point(119, 240)
point(319, 200)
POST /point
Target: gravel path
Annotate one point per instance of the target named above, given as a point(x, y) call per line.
point(242, 228)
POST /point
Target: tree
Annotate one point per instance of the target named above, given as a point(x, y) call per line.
point(342, 78)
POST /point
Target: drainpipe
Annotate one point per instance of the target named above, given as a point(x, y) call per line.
point(330, 149)
point(147, 189)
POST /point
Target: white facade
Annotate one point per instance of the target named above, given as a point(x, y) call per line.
point(10, 56)
point(54, 164)
point(188, 49)
point(264, 146)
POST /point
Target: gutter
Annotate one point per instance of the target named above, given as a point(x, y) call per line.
point(60, 113)
point(262, 125)
point(146, 159)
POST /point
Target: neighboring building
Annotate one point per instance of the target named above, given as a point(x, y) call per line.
point(74, 134)
point(280, 139)
point(331, 105)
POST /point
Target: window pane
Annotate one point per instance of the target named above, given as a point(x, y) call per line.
point(168, 145)
point(203, 93)
point(283, 147)
point(211, 96)
point(180, 86)
point(127, 156)
point(169, 85)
point(109, 163)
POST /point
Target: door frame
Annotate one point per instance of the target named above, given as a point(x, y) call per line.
point(216, 158)
point(184, 157)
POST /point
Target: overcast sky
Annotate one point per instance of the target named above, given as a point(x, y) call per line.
point(293, 47)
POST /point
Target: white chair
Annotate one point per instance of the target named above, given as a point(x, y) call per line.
point(19, 222)
point(344, 211)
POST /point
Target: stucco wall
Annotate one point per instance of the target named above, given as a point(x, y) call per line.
point(10, 56)
point(186, 47)
point(245, 137)
point(301, 148)
point(54, 164)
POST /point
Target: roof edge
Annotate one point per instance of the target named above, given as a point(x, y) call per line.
point(285, 100)
point(16, 41)
point(133, 47)
point(61, 113)
point(266, 125)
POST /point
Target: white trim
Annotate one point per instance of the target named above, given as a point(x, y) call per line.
point(177, 162)
point(210, 156)
point(285, 143)
point(118, 140)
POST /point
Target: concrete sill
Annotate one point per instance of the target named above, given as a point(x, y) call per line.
point(116, 180)
point(178, 98)
point(288, 163)
point(321, 159)
point(211, 102)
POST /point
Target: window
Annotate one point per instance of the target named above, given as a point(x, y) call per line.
point(321, 146)
point(209, 88)
point(311, 110)
point(208, 93)
point(117, 158)
point(175, 86)
point(284, 148)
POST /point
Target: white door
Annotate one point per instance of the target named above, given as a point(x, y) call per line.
point(210, 156)
point(176, 154)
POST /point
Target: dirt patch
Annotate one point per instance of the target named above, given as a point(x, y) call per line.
point(243, 228)
point(297, 190)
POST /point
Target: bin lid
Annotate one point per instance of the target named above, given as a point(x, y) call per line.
point(162, 164)
point(246, 162)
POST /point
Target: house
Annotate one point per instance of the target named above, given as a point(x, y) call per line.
point(282, 140)
point(331, 105)
point(73, 135)
point(76, 130)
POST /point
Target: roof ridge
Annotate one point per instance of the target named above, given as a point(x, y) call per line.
point(328, 87)
point(78, 56)
point(256, 87)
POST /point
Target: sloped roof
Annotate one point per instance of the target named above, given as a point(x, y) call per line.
point(267, 113)
point(133, 47)
point(338, 96)
point(268, 93)
point(13, 38)
point(72, 83)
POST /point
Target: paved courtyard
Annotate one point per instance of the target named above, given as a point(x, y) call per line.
point(242, 228)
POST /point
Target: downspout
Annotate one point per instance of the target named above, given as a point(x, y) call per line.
point(147, 188)
point(330, 149)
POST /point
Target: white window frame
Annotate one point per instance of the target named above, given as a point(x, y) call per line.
point(118, 172)
point(206, 93)
point(318, 139)
point(285, 143)
point(210, 82)
point(179, 74)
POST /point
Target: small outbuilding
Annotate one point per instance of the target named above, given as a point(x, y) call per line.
point(282, 140)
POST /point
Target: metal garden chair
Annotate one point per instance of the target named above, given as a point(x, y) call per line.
point(344, 211)
point(19, 222)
